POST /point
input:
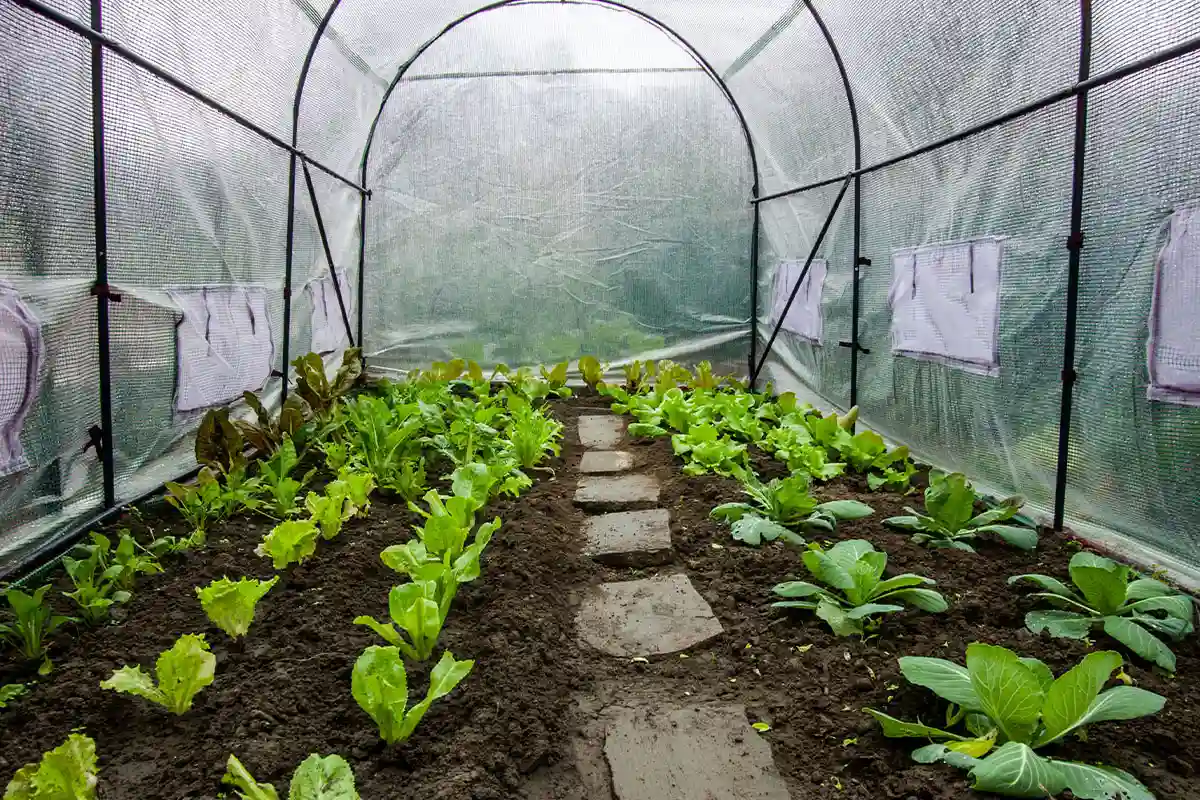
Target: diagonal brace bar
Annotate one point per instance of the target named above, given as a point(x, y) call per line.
point(337, 285)
point(812, 254)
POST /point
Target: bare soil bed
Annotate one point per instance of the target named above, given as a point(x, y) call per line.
point(520, 724)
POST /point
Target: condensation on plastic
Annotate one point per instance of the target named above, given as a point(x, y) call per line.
point(47, 253)
point(537, 217)
point(543, 218)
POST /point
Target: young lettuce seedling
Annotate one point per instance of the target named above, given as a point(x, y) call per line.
point(1130, 612)
point(706, 450)
point(531, 434)
point(68, 772)
point(591, 370)
point(33, 622)
point(1012, 707)
point(951, 520)
point(291, 542)
point(317, 778)
point(380, 686)
point(781, 505)
point(853, 571)
point(182, 672)
point(10, 692)
point(331, 509)
point(95, 586)
point(280, 488)
point(417, 608)
point(230, 605)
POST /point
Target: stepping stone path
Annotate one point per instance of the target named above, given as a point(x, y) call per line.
point(599, 461)
point(629, 538)
point(656, 753)
point(708, 752)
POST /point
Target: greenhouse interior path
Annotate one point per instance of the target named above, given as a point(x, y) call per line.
point(654, 749)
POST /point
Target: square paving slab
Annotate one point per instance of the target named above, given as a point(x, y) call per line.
point(629, 538)
point(616, 492)
point(601, 432)
point(598, 461)
point(653, 616)
point(699, 753)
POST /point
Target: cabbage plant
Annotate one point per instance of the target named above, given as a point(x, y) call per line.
point(1131, 612)
point(851, 590)
point(950, 519)
point(781, 506)
point(1012, 707)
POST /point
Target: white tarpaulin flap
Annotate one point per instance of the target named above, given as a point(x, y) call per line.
point(328, 327)
point(224, 344)
point(1174, 349)
point(20, 366)
point(945, 301)
point(804, 317)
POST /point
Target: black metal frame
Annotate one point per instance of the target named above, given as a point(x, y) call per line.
point(100, 42)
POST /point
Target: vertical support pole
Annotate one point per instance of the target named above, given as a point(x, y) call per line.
point(337, 284)
point(101, 291)
point(856, 290)
point(754, 288)
point(287, 276)
point(1075, 247)
point(362, 260)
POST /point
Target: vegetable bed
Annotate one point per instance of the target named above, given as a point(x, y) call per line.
point(514, 726)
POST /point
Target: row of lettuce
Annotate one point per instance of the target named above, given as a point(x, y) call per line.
point(481, 438)
point(1002, 708)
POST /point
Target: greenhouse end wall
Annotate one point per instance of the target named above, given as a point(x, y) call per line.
point(550, 179)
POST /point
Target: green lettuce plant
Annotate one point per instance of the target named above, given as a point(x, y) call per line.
point(854, 590)
point(131, 560)
point(386, 440)
point(332, 509)
point(950, 519)
point(414, 560)
point(419, 610)
point(782, 505)
point(866, 453)
point(450, 521)
point(68, 772)
point(793, 445)
point(10, 692)
point(591, 370)
point(291, 542)
point(1131, 612)
point(705, 450)
point(380, 686)
point(277, 484)
point(230, 604)
point(317, 778)
point(219, 442)
point(95, 587)
point(181, 673)
point(359, 486)
point(33, 622)
point(532, 435)
point(267, 433)
point(204, 502)
point(1012, 707)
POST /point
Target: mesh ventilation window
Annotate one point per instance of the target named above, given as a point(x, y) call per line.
point(20, 365)
point(945, 301)
point(1174, 351)
point(224, 345)
point(804, 317)
point(328, 327)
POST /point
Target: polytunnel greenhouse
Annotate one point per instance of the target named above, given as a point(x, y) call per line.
point(281, 282)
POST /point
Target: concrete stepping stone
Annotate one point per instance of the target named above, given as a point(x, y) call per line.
point(647, 617)
point(708, 752)
point(629, 538)
point(600, 461)
point(616, 493)
point(601, 432)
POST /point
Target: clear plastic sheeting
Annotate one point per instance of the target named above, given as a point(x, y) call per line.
point(545, 179)
point(1174, 352)
point(21, 356)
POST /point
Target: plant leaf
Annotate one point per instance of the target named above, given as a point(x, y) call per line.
point(907, 523)
point(1074, 692)
point(796, 589)
point(731, 512)
point(841, 623)
point(1045, 582)
point(1060, 624)
point(898, 729)
point(945, 678)
point(1013, 769)
point(1009, 692)
point(846, 509)
point(1023, 538)
point(867, 609)
point(328, 778)
point(924, 599)
point(1101, 581)
point(1140, 641)
point(754, 530)
point(1089, 782)
point(247, 788)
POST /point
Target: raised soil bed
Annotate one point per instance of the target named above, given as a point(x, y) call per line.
point(522, 721)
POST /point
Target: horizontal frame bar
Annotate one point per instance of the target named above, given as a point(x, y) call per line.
point(1082, 87)
point(79, 28)
point(538, 73)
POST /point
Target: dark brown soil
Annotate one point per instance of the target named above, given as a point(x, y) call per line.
point(514, 727)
